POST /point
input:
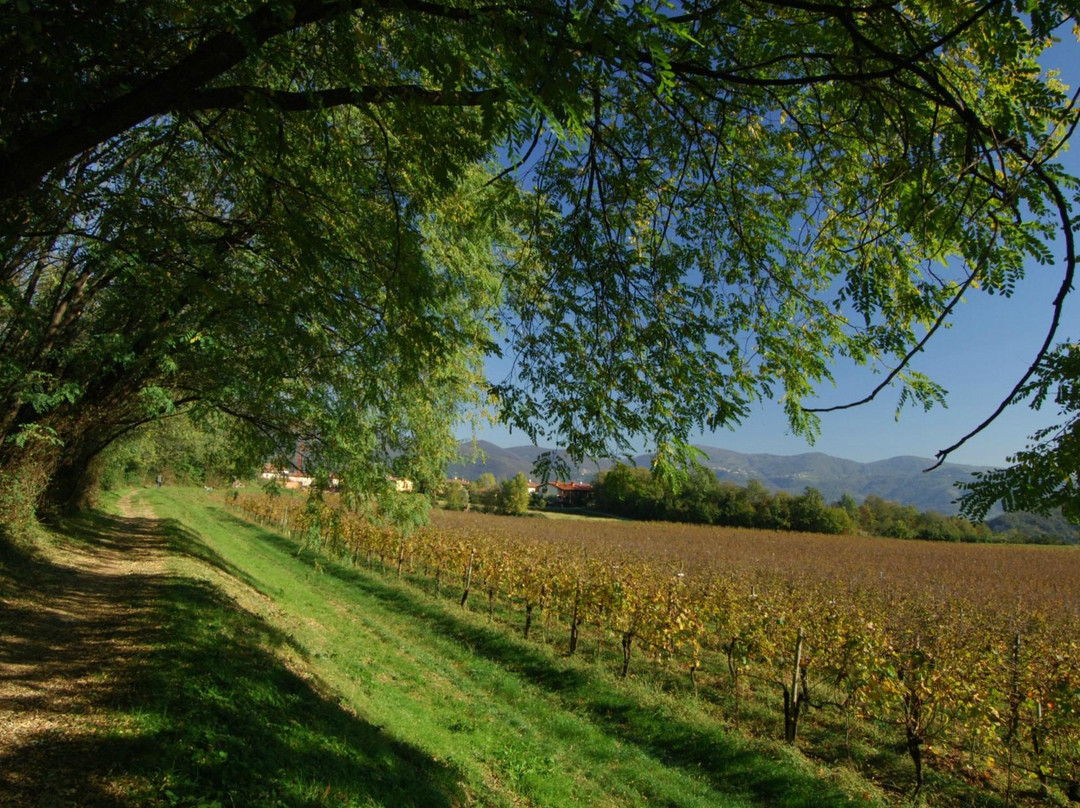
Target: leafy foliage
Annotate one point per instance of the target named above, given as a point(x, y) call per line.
point(294, 214)
point(703, 499)
point(178, 449)
point(456, 497)
point(1045, 476)
point(514, 495)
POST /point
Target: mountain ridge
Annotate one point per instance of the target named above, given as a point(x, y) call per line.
point(900, 479)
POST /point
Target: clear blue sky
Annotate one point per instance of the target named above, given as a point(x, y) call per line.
point(992, 342)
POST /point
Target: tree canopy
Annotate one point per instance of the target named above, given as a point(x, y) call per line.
point(704, 499)
point(1045, 476)
point(319, 217)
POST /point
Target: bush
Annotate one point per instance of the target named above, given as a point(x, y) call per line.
point(21, 487)
point(457, 498)
point(514, 496)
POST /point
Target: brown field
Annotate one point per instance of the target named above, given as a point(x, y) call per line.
point(1005, 578)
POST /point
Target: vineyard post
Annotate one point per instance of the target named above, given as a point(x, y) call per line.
point(671, 613)
point(601, 630)
point(400, 555)
point(530, 605)
point(1015, 700)
point(1036, 742)
point(733, 669)
point(528, 617)
point(575, 621)
point(468, 578)
point(792, 703)
point(627, 643)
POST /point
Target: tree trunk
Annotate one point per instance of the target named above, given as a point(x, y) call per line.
point(70, 483)
point(913, 730)
point(914, 749)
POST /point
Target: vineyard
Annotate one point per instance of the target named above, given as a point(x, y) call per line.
point(966, 658)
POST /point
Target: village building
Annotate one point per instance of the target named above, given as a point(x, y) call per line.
point(567, 495)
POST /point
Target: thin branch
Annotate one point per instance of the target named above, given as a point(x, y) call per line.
point(523, 160)
point(1059, 302)
point(906, 359)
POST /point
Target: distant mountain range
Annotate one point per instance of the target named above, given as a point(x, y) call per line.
point(899, 479)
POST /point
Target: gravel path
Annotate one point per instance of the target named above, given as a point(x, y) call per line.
point(72, 631)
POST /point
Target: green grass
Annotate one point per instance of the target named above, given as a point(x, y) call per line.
point(502, 721)
point(273, 678)
point(231, 725)
point(577, 515)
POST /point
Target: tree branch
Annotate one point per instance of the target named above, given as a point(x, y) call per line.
point(32, 157)
point(241, 96)
point(1059, 302)
point(906, 359)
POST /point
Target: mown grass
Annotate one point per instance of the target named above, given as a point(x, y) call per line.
point(229, 724)
point(577, 515)
point(209, 714)
point(488, 718)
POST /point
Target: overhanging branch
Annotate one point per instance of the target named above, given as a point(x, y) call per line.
point(906, 359)
point(242, 96)
point(1059, 302)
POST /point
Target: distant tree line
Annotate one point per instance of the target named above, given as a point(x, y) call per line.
point(1035, 528)
point(510, 497)
point(704, 499)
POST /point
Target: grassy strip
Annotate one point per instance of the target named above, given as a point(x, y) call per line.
point(206, 715)
point(509, 722)
point(224, 722)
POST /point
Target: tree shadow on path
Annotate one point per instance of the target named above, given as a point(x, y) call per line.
point(122, 685)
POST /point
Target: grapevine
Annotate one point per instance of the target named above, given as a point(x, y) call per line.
point(987, 689)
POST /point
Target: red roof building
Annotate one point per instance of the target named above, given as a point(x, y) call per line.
point(566, 494)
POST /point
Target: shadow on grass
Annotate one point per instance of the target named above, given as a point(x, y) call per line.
point(728, 763)
point(186, 542)
point(142, 689)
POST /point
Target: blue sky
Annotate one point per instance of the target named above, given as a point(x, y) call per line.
point(991, 344)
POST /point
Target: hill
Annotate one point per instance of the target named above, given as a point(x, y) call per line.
point(899, 479)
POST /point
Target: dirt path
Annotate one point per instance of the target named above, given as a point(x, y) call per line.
point(72, 629)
